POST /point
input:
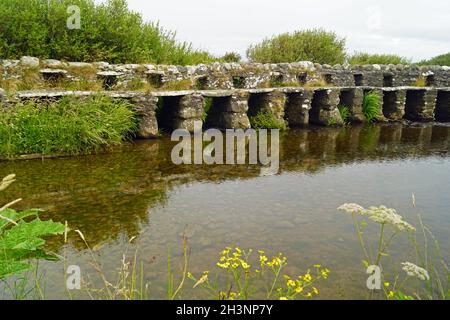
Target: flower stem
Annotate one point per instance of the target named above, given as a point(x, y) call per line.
point(380, 245)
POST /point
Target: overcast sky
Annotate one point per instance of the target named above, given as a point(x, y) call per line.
point(413, 28)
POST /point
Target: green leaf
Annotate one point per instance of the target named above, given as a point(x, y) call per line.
point(15, 216)
point(27, 235)
point(8, 267)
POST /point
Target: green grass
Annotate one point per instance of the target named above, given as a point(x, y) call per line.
point(345, 113)
point(177, 85)
point(420, 82)
point(266, 120)
point(372, 106)
point(70, 126)
point(206, 108)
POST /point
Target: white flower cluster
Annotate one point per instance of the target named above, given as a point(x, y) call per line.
point(351, 208)
point(415, 271)
point(379, 214)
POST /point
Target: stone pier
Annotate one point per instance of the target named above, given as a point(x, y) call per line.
point(235, 115)
point(228, 111)
point(297, 108)
point(394, 101)
point(188, 110)
point(420, 104)
point(324, 110)
point(145, 106)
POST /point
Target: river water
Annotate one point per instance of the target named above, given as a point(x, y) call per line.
point(136, 191)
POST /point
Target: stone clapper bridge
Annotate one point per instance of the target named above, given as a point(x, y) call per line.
point(298, 106)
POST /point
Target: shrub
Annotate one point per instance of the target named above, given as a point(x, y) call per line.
point(232, 57)
point(361, 58)
point(372, 106)
point(266, 120)
point(109, 32)
point(70, 126)
point(315, 45)
point(441, 60)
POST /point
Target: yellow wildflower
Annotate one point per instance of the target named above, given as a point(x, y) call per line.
point(291, 283)
point(307, 277)
point(225, 265)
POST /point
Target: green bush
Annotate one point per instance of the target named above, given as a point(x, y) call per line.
point(70, 126)
point(266, 120)
point(361, 58)
point(316, 45)
point(231, 57)
point(442, 60)
point(372, 106)
point(109, 32)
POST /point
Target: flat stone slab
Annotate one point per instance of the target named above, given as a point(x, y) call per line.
point(59, 94)
point(53, 71)
point(109, 74)
point(205, 93)
point(154, 72)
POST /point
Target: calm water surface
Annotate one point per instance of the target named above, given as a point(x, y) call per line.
point(135, 191)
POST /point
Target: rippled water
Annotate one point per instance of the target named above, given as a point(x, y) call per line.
point(135, 191)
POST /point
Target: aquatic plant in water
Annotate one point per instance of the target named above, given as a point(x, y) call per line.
point(372, 106)
point(345, 113)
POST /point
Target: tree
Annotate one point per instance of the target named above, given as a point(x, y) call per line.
point(316, 45)
point(441, 60)
point(232, 57)
point(361, 58)
point(109, 31)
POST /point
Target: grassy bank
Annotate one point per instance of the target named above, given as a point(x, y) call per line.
point(69, 126)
